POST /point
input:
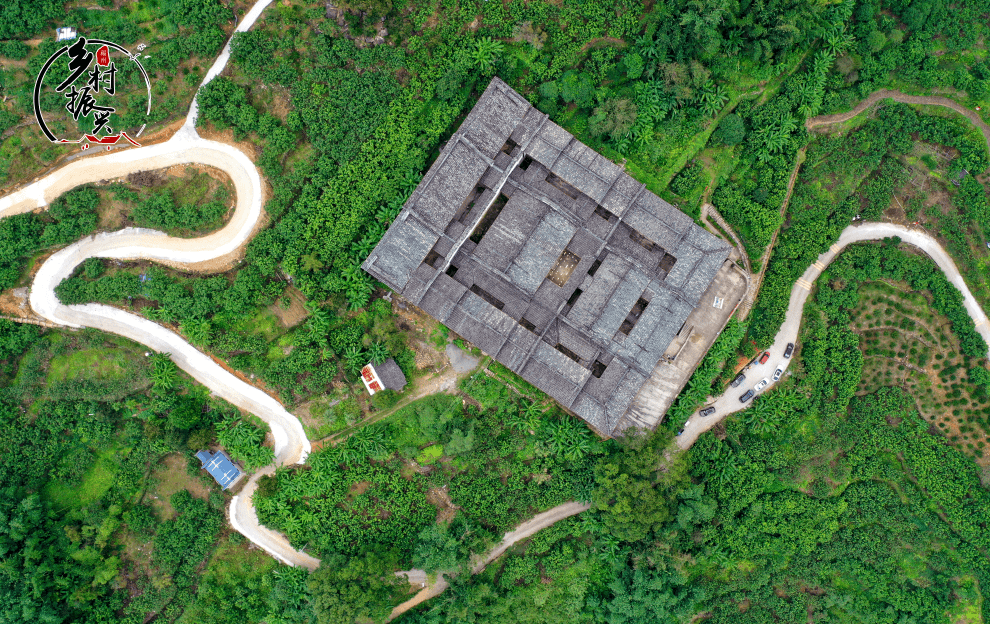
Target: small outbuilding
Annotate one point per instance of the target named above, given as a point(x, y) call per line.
point(65, 33)
point(385, 376)
point(220, 467)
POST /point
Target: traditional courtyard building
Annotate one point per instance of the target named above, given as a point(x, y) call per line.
point(551, 259)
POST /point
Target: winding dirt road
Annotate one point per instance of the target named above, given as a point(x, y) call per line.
point(897, 96)
point(729, 402)
point(185, 147)
point(218, 248)
point(291, 444)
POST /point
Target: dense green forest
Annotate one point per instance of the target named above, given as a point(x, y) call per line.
point(829, 499)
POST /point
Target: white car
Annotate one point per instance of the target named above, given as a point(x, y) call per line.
point(763, 384)
point(777, 373)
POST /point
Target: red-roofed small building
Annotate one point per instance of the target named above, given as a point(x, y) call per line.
point(385, 376)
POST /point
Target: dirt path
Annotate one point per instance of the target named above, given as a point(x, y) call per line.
point(708, 211)
point(757, 280)
point(445, 381)
point(897, 96)
point(525, 530)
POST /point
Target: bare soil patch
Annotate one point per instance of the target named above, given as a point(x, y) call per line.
point(359, 488)
point(227, 136)
point(295, 313)
point(419, 327)
point(446, 509)
point(14, 302)
point(171, 476)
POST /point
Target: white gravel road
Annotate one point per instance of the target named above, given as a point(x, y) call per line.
point(291, 444)
point(729, 402)
point(221, 62)
point(185, 147)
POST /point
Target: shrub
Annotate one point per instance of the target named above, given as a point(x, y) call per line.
point(385, 399)
point(731, 131)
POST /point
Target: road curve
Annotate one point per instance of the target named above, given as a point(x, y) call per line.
point(185, 147)
point(291, 444)
point(729, 402)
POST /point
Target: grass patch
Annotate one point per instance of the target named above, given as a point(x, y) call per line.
point(96, 363)
point(969, 607)
point(95, 484)
point(263, 323)
point(172, 474)
point(325, 419)
point(430, 454)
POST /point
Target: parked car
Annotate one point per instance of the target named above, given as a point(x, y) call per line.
point(749, 395)
point(777, 373)
point(738, 380)
point(708, 411)
point(764, 357)
point(763, 384)
point(789, 350)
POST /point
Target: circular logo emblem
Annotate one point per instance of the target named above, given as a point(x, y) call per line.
point(86, 76)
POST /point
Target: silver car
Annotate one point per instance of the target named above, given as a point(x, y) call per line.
point(763, 384)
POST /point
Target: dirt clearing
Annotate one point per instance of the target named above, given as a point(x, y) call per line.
point(295, 313)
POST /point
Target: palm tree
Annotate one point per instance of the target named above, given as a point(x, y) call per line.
point(713, 98)
point(375, 232)
point(535, 416)
point(355, 358)
point(164, 314)
point(292, 525)
point(576, 447)
point(370, 442)
point(311, 262)
point(317, 314)
point(409, 182)
point(517, 420)
point(349, 454)
point(364, 247)
point(384, 215)
point(486, 53)
point(358, 295)
point(837, 40)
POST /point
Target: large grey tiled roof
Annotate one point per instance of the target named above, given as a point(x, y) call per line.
point(477, 241)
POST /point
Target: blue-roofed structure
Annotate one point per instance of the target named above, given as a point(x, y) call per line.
point(220, 467)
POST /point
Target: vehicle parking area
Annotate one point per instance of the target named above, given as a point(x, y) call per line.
point(684, 354)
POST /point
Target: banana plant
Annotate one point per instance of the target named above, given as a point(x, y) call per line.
point(378, 352)
point(163, 373)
